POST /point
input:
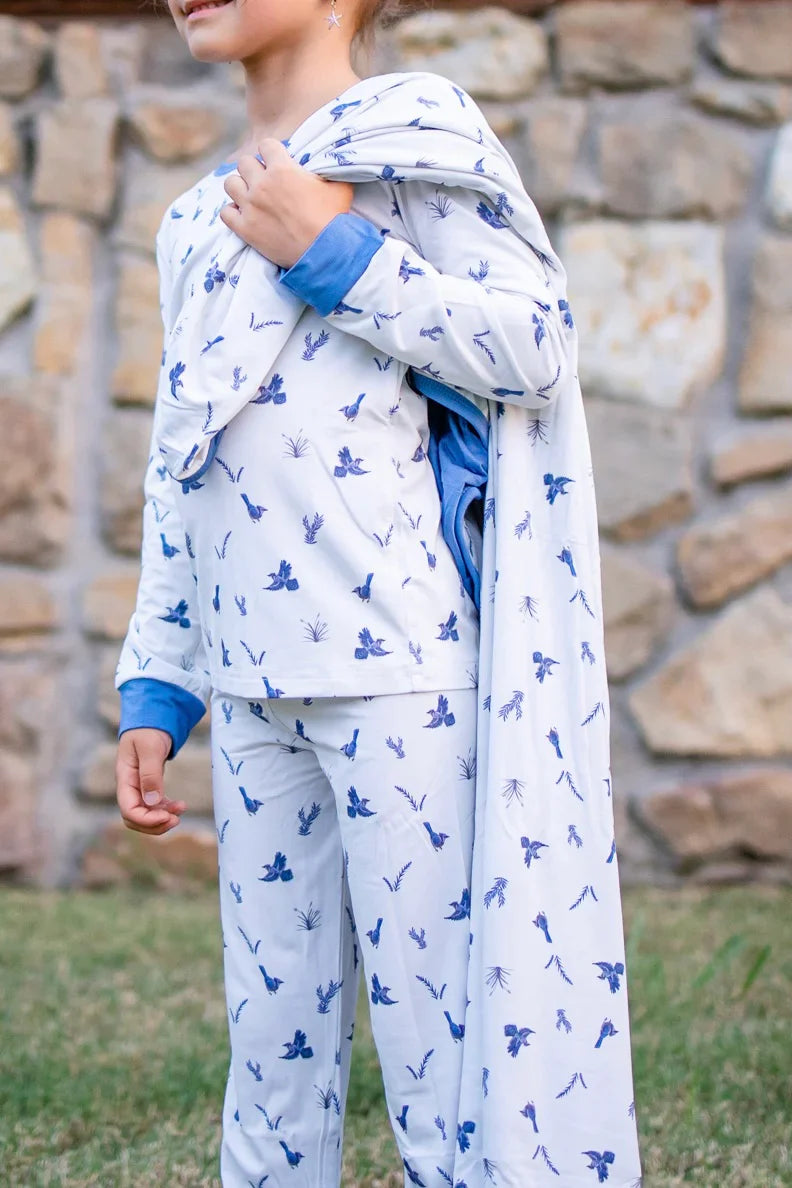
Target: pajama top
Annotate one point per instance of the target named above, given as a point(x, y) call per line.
point(306, 557)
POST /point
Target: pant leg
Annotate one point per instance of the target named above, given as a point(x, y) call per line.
point(290, 955)
point(402, 771)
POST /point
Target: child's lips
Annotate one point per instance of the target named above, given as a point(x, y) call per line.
point(204, 8)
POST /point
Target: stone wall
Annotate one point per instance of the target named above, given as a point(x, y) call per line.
point(656, 140)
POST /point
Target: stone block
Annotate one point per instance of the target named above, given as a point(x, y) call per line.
point(139, 333)
point(64, 311)
point(638, 604)
point(623, 46)
point(182, 859)
point(80, 69)
point(642, 468)
point(23, 50)
point(760, 103)
point(19, 844)
point(26, 604)
point(705, 170)
point(765, 382)
point(548, 148)
point(490, 52)
point(26, 692)
point(755, 454)
point(755, 37)
point(175, 125)
point(84, 131)
point(108, 602)
point(735, 814)
point(650, 304)
point(728, 694)
point(722, 556)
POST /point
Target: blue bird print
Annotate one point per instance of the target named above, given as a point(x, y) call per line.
point(374, 933)
point(350, 749)
point(283, 580)
point(441, 715)
point(464, 1130)
point(177, 614)
point(210, 342)
point(430, 557)
point(363, 591)
point(216, 600)
point(350, 411)
point(599, 1163)
point(532, 849)
point(529, 1111)
point(545, 666)
point(461, 907)
point(555, 741)
point(293, 1157)
point(438, 840)
point(271, 983)
point(214, 276)
point(413, 1177)
point(448, 630)
point(380, 995)
point(277, 869)
point(271, 691)
point(252, 806)
point(254, 510)
point(272, 391)
point(566, 314)
point(369, 646)
point(347, 464)
point(402, 1117)
point(168, 550)
point(297, 1047)
point(357, 804)
point(566, 556)
point(556, 485)
point(174, 375)
point(490, 217)
point(518, 1038)
point(610, 973)
point(226, 654)
point(540, 920)
point(457, 1029)
point(406, 270)
point(606, 1029)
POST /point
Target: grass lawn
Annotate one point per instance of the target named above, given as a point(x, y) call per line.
point(114, 1041)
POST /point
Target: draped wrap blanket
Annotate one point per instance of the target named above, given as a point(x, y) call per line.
point(547, 1093)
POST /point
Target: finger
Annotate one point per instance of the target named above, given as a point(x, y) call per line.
point(133, 811)
point(236, 187)
point(251, 169)
point(151, 774)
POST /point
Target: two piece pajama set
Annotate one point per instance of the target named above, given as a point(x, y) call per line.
point(312, 569)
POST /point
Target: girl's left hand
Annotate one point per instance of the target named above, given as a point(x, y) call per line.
point(279, 208)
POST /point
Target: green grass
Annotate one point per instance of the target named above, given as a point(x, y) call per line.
point(114, 1041)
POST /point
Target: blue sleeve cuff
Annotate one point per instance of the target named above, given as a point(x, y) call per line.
point(333, 262)
point(146, 702)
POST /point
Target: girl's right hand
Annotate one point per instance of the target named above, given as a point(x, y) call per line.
point(140, 769)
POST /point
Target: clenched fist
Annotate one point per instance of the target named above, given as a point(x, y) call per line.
point(279, 207)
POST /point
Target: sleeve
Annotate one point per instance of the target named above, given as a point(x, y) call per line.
point(162, 672)
point(475, 311)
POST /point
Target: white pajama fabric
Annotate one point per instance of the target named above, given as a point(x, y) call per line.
point(345, 831)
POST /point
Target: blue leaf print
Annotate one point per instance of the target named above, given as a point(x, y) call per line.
point(313, 345)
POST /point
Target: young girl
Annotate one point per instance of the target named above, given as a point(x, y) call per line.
point(351, 369)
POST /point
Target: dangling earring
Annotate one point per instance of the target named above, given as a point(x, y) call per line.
point(334, 18)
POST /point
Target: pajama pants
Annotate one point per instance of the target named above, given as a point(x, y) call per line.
point(345, 830)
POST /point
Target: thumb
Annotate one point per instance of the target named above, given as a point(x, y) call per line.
point(151, 769)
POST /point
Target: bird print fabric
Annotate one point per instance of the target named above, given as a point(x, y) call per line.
point(464, 288)
point(323, 878)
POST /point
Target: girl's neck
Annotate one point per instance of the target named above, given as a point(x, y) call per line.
point(283, 90)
